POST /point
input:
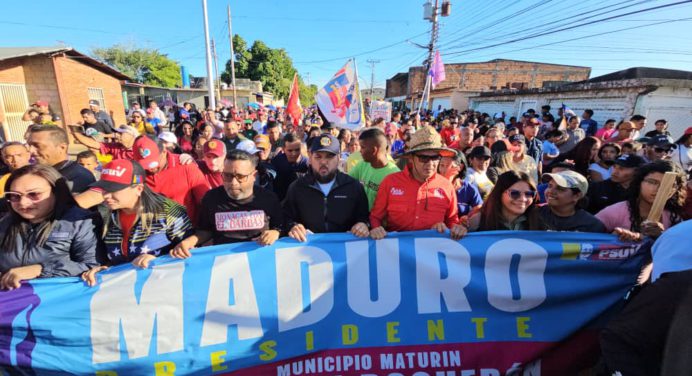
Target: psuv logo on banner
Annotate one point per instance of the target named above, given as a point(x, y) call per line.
point(494, 303)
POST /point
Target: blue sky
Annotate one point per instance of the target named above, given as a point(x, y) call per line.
point(321, 34)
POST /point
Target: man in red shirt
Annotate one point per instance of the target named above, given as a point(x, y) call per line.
point(120, 149)
point(449, 133)
point(418, 198)
point(184, 184)
point(212, 164)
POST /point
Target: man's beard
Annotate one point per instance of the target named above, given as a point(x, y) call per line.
point(325, 179)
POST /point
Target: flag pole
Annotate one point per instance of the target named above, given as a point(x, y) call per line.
point(425, 90)
point(360, 99)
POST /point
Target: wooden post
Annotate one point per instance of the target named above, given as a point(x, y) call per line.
point(664, 191)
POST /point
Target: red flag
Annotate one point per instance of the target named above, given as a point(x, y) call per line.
point(294, 108)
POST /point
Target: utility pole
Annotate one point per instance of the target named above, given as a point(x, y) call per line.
point(210, 79)
point(430, 13)
point(230, 38)
point(307, 75)
point(372, 76)
point(216, 68)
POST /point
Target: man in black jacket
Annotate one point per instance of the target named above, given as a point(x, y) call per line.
point(326, 199)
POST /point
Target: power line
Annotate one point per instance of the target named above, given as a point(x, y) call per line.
point(591, 36)
point(569, 28)
point(364, 52)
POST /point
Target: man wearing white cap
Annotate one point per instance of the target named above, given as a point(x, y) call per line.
point(120, 149)
point(170, 142)
point(566, 189)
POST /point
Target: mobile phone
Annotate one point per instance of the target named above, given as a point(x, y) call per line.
point(76, 128)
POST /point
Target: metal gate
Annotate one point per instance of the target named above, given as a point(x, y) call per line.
point(13, 103)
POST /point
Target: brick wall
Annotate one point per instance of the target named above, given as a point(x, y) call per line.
point(11, 72)
point(497, 74)
point(395, 88)
point(75, 79)
point(40, 81)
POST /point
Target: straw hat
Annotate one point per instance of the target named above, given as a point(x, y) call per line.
point(426, 139)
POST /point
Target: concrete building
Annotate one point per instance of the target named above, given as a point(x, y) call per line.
point(652, 92)
point(65, 78)
point(465, 80)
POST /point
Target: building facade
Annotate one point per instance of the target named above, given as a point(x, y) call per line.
point(61, 76)
point(652, 92)
point(465, 80)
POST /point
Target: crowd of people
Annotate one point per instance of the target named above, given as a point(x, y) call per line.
point(167, 183)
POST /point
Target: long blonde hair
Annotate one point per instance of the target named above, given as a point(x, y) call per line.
point(504, 162)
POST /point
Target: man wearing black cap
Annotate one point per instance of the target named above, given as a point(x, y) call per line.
point(613, 190)
point(326, 199)
point(479, 161)
point(660, 147)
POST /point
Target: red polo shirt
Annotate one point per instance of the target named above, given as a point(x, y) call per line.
point(117, 150)
point(215, 179)
point(183, 184)
point(450, 136)
point(405, 204)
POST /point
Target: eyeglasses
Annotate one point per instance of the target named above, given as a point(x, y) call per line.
point(15, 197)
point(662, 150)
point(515, 194)
point(227, 176)
point(428, 158)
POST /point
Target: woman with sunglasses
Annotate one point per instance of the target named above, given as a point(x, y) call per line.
point(45, 233)
point(627, 219)
point(138, 122)
point(142, 224)
point(510, 206)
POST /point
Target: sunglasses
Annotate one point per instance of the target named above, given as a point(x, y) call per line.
point(15, 197)
point(428, 158)
point(227, 176)
point(662, 150)
point(515, 194)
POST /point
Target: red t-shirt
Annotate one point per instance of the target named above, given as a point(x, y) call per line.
point(185, 145)
point(184, 184)
point(117, 150)
point(126, 223)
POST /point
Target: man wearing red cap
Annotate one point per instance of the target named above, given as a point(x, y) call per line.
point(184, 184)
point(212, 164)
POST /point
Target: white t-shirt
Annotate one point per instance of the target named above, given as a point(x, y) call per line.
point(605, 172)
point(682, 156)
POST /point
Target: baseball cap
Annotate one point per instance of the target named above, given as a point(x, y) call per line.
point(248, 121)
point(94, 102)
point(568, 179)
point(119, 174)
point(662, 140)
point(262, 141)
point(517, 137)
point(630, 161)
point(688, 131)
point(325, 142)
point(168, 137)
point(146, 152)
point(215, 147)
point(480, 151)
point(41, 103)
point(127, 129)
point(247, 146)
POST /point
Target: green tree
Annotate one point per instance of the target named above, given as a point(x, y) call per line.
point(144, 65)
point(272, 66)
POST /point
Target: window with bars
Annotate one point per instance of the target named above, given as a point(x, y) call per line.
point(97, 94)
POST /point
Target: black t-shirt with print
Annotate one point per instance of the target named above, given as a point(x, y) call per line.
point(232, 221)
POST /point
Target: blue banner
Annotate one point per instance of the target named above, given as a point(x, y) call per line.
point(494, 303)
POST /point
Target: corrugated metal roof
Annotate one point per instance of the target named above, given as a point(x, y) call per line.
point(17, 52)
point(13, 52)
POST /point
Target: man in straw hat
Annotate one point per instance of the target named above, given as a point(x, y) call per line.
point(418, 198)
